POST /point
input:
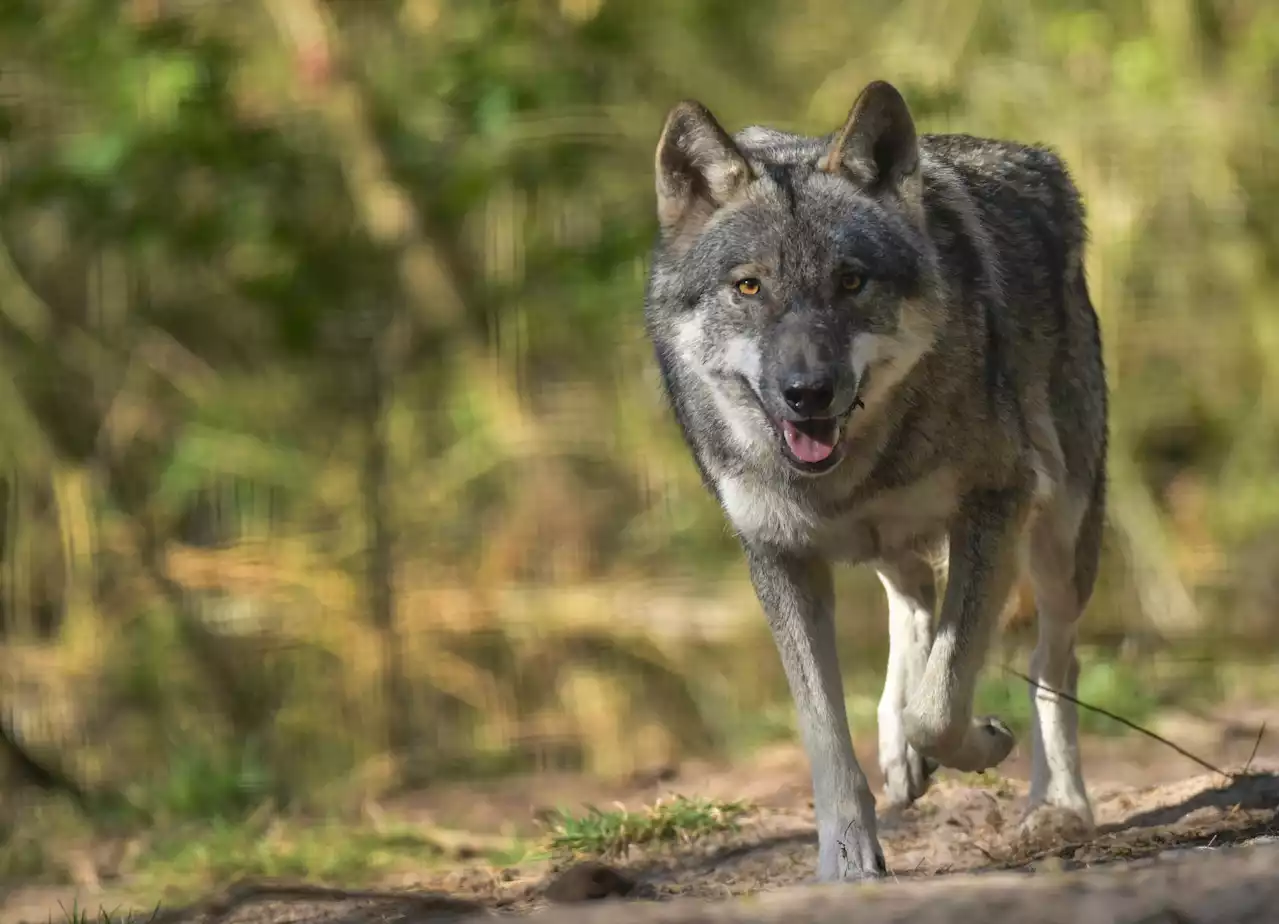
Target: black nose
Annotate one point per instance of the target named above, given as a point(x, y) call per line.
point(809, 395)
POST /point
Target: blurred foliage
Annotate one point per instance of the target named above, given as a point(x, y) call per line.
point(329, 428)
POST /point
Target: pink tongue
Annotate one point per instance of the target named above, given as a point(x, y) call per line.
point(805, 447)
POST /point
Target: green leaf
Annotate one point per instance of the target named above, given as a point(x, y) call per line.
point(203, 454)
point(94, 156)
point(163, 84)
point(493, 112)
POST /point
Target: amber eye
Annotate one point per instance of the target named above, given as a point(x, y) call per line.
point(748, 287)
point(852, 282)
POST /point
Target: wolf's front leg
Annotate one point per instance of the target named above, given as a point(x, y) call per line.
point(911, 587)
point(797, 596)
point(983, 564)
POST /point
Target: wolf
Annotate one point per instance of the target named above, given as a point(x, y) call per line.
point(880, 348)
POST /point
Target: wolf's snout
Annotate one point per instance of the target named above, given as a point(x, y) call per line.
point(810, 425)
point(809, 396)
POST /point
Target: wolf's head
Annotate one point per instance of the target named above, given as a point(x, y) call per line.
point(793, 276)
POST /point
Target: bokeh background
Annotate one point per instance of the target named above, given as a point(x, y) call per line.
point(333, 462)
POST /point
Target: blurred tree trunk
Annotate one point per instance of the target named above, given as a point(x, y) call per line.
point(382, 368)
point(427, 296)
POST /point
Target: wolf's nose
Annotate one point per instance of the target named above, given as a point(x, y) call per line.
point(809, 396)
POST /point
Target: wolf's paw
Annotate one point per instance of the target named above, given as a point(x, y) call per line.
point(981, 745)
point(1046, 825)
point(854, 857)
point(995, 741)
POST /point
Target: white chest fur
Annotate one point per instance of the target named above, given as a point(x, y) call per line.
point(893, 519)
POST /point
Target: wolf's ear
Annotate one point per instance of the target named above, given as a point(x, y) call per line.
point(878, 142)
point(698, 167)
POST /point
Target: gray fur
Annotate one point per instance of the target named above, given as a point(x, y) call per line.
point(935, 287)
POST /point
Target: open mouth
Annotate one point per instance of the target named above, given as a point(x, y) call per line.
point(812, 445)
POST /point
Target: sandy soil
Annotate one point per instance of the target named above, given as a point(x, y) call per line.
point(1173, 844)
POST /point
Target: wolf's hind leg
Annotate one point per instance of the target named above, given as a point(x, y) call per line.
point(1062, 562)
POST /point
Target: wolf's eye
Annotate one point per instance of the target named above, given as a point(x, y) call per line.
point(853, 282)
point(748, 287)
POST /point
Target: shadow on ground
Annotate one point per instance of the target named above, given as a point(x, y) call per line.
point(1244, 791)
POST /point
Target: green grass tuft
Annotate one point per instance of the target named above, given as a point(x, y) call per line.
point(611, 834)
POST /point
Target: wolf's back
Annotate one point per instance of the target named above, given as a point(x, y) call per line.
point(1034, 226)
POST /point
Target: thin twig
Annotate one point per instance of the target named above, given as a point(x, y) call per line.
point(1123, 721)
point(1257, 743)
point(985, 852)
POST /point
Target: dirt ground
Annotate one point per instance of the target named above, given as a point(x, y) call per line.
point(1174, 843)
